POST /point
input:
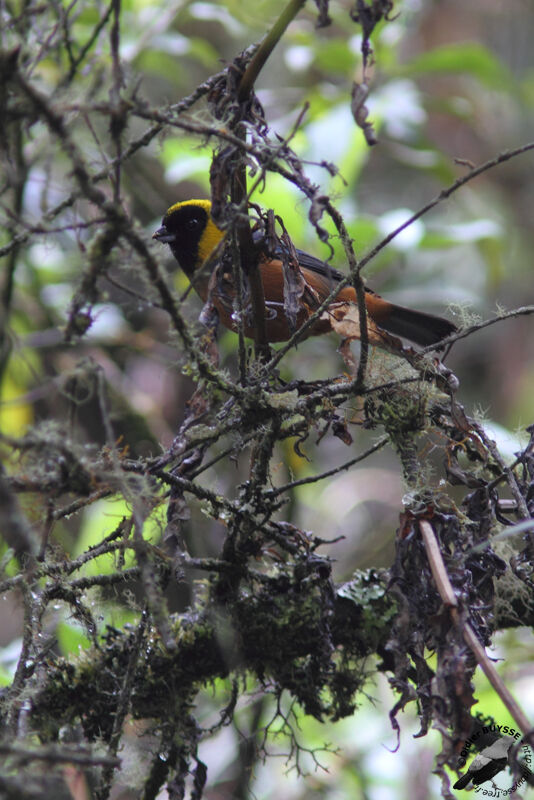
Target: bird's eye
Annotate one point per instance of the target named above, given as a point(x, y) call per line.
point(192, 223)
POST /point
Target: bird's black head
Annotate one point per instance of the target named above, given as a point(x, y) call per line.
point(190, 233)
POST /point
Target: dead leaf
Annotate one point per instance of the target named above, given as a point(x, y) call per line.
point(344, 319)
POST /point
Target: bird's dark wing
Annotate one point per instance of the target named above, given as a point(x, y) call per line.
point(306, 260)
point(320, 267)
point(489, 771)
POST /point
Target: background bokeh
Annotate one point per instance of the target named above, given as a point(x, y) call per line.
point(451, 85)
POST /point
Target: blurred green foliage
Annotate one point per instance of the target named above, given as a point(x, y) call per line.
point(450, 84)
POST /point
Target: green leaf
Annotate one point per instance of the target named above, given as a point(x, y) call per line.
point(71, 638)
point(473, 231)
point(364, 232)
point(99, 520)
point(336, 56)
point(184, 158)
point(217, 13)
point(469, 58)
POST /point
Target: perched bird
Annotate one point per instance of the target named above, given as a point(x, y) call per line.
point(189, 230)
point(488, 763)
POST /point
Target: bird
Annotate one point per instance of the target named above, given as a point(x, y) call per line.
point(193, 237)
point(488, 763)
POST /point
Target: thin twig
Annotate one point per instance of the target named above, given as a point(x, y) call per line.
point(315, 478)
point(448, 597)
point(444, 194)
point(478, 326)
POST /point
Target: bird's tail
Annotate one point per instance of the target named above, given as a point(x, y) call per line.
point(417, 326)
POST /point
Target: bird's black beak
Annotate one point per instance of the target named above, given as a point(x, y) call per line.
point(163, 235)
